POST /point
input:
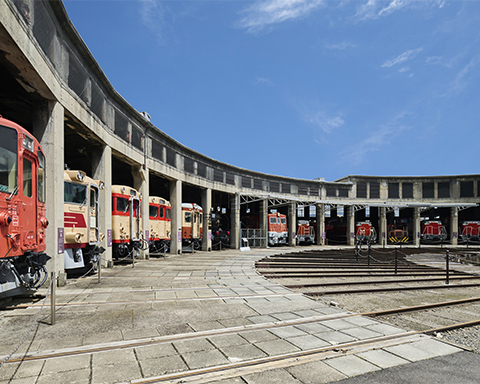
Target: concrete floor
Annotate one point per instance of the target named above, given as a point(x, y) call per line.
point(201, 318)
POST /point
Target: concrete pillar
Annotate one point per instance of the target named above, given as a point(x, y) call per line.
point(351, 225)
point(382, 236)
point(235, 233)
point(416, 227)
point(141, 182)
point(292, 224)
point(263, 213)
point(207, 211)
point(48, 129)
point(320, 229)
point(454, 225)
point(102, 170)
point(176, 212)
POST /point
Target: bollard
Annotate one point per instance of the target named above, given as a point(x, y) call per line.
point(53, 287)
point(447, 260)
point(99, 270)
point(396, 260)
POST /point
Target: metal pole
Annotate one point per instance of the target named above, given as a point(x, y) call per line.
point(133, 255)
point(447, 259)
point(53, 284)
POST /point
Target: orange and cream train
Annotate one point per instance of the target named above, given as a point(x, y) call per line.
point(81, 222)
point(127, 234)
point(22, 211)
point(277, 229)
point(192, 225)
point(160, 224)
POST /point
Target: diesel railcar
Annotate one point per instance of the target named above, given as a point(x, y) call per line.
point(127, 233)
point(81, 221)
point(365, 232)
point(22, 211)
point(277, 229)
point(160, 224)
point(192, 225)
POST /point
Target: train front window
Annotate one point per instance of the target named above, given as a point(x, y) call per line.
point(123, 204)
point(41, 177)
point(153, 211)
point(168, 213)
point(284, 220)
point(75, 193)
point(8, 160)
point(188, 217)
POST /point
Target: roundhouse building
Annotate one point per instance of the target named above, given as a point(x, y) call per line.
point(53, 87)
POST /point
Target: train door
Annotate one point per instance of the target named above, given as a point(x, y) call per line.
point(134, 218)
point(93, 215)
point(30, 197)
point(195, 224)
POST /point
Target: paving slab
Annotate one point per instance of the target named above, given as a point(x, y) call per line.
point(382, 359)
point(316, 372)
point(351, 365)
point(273, 376)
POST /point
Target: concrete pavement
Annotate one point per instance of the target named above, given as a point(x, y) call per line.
point(202, 318)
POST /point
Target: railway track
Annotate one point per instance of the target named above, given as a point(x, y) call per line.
point(426, 297)
point(253, 365)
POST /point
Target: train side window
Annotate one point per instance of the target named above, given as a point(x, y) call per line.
point(162, 213)
point(41, 177)
point(168, 214)
point(283, 220)
point(8, 159)
point(93, 198)
point(27, 177)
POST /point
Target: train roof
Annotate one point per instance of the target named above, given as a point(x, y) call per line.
point(80, 177)
point(159, 200)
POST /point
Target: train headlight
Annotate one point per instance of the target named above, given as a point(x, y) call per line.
point(80, 175)
point(5, 220)
point(27, 143)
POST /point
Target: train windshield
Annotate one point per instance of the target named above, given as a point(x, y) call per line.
point(123, 205)
point(153, 211)
point(75, 193)
point(168, 213)
point(8, 159)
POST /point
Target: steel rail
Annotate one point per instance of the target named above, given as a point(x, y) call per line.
point(342, 283)
point(389, 289)
point(41, 355)
point(355, 274)
point(148, 301)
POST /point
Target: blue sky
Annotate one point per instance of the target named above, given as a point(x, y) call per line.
point(300, 88)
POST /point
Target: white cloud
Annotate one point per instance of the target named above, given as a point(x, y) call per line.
point(405, 56)
point(266, 13)
point(376, 140)
point(152, 13)
point(374, 9)
point(461, 80)
point(327, 123)
point(263, 81)
point(340, 46)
